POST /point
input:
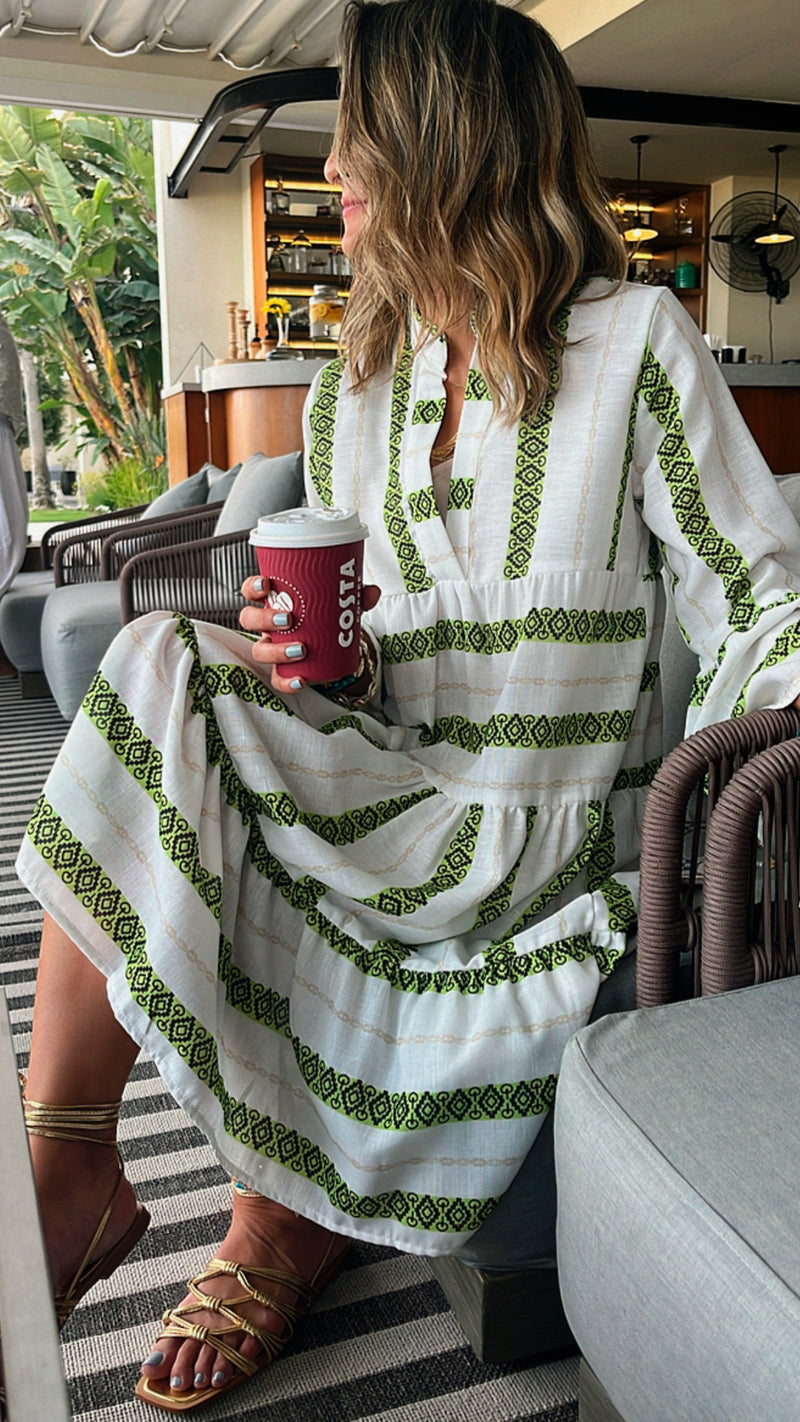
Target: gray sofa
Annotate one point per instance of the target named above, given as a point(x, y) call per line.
point(59, 623)
point(678, 1158)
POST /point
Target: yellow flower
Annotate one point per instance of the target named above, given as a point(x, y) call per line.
point(276, 305)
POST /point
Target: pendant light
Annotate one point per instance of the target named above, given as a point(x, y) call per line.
point(775, 234)
point(638, 233)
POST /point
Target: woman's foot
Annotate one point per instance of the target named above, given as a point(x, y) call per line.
point(262, 1234)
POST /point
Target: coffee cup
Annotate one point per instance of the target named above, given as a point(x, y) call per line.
point(313, 560)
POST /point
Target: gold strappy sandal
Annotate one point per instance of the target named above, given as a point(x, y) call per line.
point(84, 1123)
point(178, 1321)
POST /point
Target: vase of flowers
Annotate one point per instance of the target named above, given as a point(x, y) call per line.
point(279, 307)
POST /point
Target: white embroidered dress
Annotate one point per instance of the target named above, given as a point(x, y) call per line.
point(356, 944)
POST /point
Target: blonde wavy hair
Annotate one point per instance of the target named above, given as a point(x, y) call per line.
point(461, 122)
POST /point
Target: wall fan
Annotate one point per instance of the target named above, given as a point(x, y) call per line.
point(754, 240)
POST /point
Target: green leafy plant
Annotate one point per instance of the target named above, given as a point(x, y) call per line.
point(78, 267)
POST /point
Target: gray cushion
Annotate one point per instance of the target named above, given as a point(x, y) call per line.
point(677, 1144)
point(78, 626)
point(262, 486)
point(185, 495)
point(21, 617)
point(220, 482)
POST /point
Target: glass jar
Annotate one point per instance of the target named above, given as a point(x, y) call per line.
point(281, 200)
point(325, 312)
point(298, 254)
point(318, 261)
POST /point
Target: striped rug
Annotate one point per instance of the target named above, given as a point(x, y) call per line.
point(381, 1343)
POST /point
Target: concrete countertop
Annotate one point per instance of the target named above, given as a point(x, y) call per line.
point(775, 375)
point(255, 374)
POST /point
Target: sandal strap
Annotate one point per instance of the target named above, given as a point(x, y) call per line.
point(72, 1123)
point(178, 1322)
point(65, 1299)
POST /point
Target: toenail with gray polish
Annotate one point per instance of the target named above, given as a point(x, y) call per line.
point(176, 1381)
point(199, 1379)
point(219, 1378)
point(154, 1360)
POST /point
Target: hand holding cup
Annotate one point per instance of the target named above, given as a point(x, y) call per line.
point(309, 596)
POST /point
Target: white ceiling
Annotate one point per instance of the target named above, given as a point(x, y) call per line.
point(168, 58)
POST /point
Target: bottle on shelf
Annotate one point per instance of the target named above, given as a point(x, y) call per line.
point(281, 200)
point(325, 312)
point(298, 254)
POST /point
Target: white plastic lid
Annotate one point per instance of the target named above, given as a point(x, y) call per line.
point(302, 527)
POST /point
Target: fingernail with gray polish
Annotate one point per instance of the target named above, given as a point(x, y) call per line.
point(281, 619)
point(154, 1360)
point(295, 651)
point(258, 585)
point(296, 684)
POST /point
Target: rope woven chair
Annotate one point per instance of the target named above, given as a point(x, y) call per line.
point(683, 798)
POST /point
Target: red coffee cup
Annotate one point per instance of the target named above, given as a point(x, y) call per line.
point(313, 559)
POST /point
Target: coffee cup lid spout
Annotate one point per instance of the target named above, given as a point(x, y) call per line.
point(304, 527)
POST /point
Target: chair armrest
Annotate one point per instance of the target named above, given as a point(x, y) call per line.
point(181, 527)
point(686, 789)
point(752, 849)
point(77, 557)
point(33, 1370)
point(199, 579)
point(59, 533)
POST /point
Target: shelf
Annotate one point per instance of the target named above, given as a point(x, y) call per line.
point(278, 223)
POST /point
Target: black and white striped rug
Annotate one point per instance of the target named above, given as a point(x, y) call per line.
point(381, 1343)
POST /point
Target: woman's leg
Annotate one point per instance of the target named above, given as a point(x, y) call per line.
point(79, 1056)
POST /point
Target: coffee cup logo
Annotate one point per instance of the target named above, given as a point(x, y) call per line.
point(348, 588)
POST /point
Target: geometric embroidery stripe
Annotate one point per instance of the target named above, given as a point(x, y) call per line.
point(411, 566)
point(144, 763)
point(366, 1104)
point(636, 777)
point(451, 871)
point(604, 856)
point(197, 1048)
point(499, 900)
point(533, 440)
point(558, 883)
point(347, 828)
point(650, 675)
point(579, 626)
point(422, 504)
point(619, 901)
point(742, 619)
point(429, 412)
point(516, 731)
point(623, 484)
point(784, 646)
point(385, 959)
point(680, 475)
point(462, 492)
point(322, 418)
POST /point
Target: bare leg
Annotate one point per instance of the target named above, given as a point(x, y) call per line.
point(79, 1054)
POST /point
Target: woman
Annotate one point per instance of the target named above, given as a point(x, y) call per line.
point(355, 929)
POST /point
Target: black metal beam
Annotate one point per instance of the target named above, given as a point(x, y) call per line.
point(267, 92)
point(270, 92)
point(694, 110)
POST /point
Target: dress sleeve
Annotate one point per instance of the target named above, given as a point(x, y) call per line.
point(729, 542)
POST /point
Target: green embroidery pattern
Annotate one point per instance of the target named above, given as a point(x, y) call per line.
point(636, 777)
point(560, 881)
point(361, 1101)
point(422, 504)
point(477, 389)
point(322, 417)
point(197, 1048)
point(650, 674)
point(429, 412)
point(680, 474)
point(411, 566)
point(512, 730)
point(623, 483)
point(784, 646)
point(499, 901)
point(346, 828)
point(451, 871)
point(532, 445)
point(575, 626)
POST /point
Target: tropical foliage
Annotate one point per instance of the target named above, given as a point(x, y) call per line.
point(78, 268)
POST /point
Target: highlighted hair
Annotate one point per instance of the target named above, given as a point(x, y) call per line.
point(461, 122)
